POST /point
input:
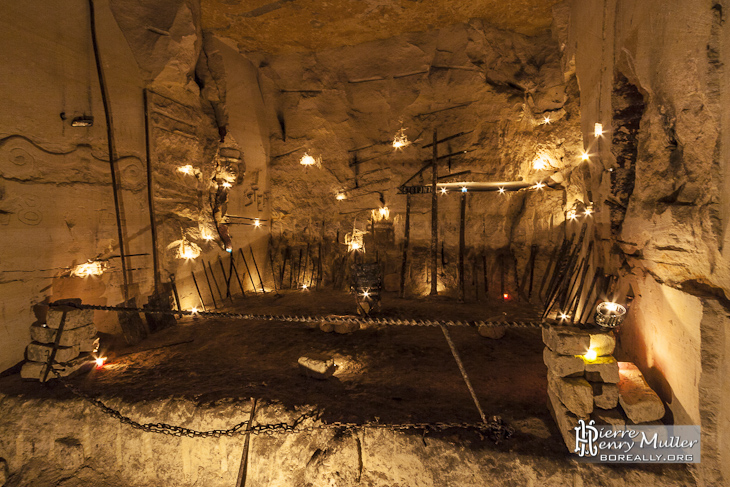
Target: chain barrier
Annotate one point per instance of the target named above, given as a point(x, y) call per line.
point(310, 319)
point(495, 429)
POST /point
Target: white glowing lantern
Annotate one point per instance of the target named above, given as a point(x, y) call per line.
point(598, 129)
point(308, 160)
point(400, 140)
point(590, 355)
point(91, 268)
point(257, 223)
point(186, 169)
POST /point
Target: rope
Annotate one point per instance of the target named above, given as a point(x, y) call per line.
point(310, 319)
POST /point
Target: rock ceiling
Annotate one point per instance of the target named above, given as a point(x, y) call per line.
point(285, 26)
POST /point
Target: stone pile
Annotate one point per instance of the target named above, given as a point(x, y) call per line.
point(76, 341)
point(597, 388)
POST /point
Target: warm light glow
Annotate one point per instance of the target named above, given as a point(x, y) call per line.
point(546, 120)
point(505, 296)
point(588, 212)
point(610, 306)
point(186, 169)
point(539, 164)
point(355, 240)
point(308, 160)
point(590, 355)
point(355, 246)
point(304, 287)
point(340, 196)
point(384, 212)
point(501, 190)
point(598, 129)
point(100, 361)
point(365, 294)
point(227, 185)
point(185, 249)
point(257, 223)
point(400, 140)
point(571, 215)
point(206, 235)
point(539, 185)
point(194, 311)
point(585, 156)
point(443, 191)
point(91, 268)
point(564, 316)
point(463, 189)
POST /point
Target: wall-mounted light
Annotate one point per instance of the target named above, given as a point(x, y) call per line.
point(400, 140)
point(501, 190)
point(308, 160)
point(90, 268)
point(340, 196)
point(539, 185)
point(546, 120)
point(186, 169)
point(590, 355)
point(585, 156)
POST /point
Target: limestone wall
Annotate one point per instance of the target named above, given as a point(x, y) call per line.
point(652, 73)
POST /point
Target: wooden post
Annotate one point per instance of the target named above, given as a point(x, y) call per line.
point(215, 281)
point(406, 241)
point(151, 196)
point(462, 244)
point(210, 288)
point(235, 271)
point(434, 215)
point(248, 271)
point(253, 258)
point(195, 281)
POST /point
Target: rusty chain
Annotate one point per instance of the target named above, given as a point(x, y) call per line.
point(495, 429)
point(312, 319)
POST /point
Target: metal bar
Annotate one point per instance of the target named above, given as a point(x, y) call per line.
point(174, 291)
point(111, 149)
point(226, 279)
point(200, 296)
point(150, 195)
point(463, 372)
point(462, 245)
point(56, 343)
point(271, 263)
point(253, 257)
point(406, 242)
point(434, 216)
point(446, 139)
point(573, 305)
point(215, 281)
point(235, 271)
point(210, 288)
point(299, 266)
point(599, 271)
point(248, 271)
point(283, 266)
point(243, 469)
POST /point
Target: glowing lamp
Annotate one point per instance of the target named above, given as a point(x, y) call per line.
point(546, 120)
point(588, 212)
point(91, 268)
point(227, 185)
point(539, 185)
point(505, 296)
point(304, 287)
point(340, 196)
point(194, 311)
point(229, 249)
point(185, 249)
point(443, 191)
point(366, 294)
point(355, 246)
point(571, 215)
point(307, 160)
point(100, 361)
point(400, 140)
point(501, 190)
point(384, 212)
point(598, 129)
point(590, 355)
point(257, 223)
point(584, 156)
point(609, 314)
point(186, 169)
point(463, 189)
point(206, 235)
point(564, 316)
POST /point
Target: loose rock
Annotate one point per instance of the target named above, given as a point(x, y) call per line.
point(69, 453)
point(317, 366)
point(564, 419)
point(44, 334)
point(39, 352)
point(612, 417)
point(493, 332)
point(566, 340)
point(605, 396)
point(603, 343)
point(76, 318)
point(602, 369)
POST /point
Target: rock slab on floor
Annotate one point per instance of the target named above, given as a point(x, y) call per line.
point(574, 392)
point(493, 332)
point(640, 403)
point(563, 365)
point(317, 366)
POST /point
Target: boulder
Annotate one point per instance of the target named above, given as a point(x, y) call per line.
point(344, 327)
point(640, 403)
